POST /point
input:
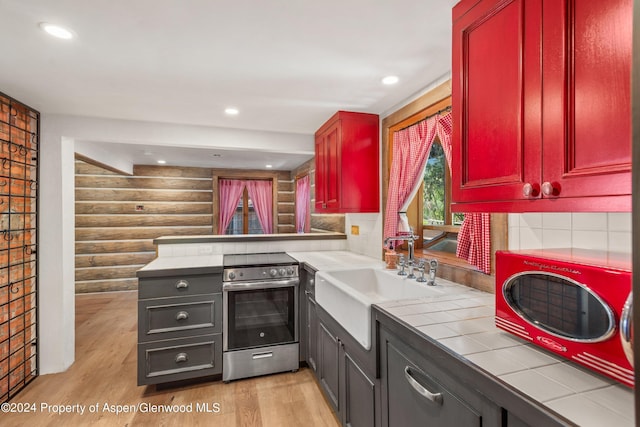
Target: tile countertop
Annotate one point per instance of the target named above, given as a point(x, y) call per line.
point(463, 321)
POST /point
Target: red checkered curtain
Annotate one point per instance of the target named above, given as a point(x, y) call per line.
point(443, 130)
point(474, 237)
point(410, 150)
point(474, 241)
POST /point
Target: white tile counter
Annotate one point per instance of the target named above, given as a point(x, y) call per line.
point(325, 260)
point(463, 321)
point(179, 262)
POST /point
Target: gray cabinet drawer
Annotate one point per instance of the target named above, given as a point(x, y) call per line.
point(179, 359)
point(166, 318)
point(175, 286)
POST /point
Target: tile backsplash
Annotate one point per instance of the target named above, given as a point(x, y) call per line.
point(606, 231)
point(368, 240)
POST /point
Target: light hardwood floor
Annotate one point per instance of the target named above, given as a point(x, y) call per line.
point(105, 373)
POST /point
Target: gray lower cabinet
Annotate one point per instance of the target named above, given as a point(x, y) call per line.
point(424, 384)
point(417, 393)
point(346, 373)
point(308, 318)
point(179, 327)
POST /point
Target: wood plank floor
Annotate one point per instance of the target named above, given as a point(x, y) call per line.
point(104, 373)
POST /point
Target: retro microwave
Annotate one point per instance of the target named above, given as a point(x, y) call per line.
point(573, 302)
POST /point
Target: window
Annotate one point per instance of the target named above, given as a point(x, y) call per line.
point(439, 224)
point(245, 219)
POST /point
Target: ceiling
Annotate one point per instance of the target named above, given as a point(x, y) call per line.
point(287, 66)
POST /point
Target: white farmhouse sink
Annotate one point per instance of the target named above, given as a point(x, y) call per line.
point(347, 295)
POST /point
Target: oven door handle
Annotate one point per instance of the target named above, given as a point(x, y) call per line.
point(245, 286)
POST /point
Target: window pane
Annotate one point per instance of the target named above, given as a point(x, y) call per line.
point(235, 226)
point(434, 203)
point(254, 222)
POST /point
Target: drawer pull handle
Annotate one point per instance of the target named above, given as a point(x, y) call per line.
point(181, 357)
point(182, 284)
point(255, 356)
point(182, 315)
point(422, 391)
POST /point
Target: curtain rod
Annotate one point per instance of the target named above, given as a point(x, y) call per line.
point(445, 109)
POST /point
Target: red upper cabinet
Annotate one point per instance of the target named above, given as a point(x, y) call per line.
point(347, 164)
point(541, 103)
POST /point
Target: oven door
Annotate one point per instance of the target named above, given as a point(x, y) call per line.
point(259, 314)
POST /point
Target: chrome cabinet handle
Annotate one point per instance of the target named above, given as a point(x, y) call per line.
point(626, 328)
point(182, 315)
point(181, 357)
point(182, 284)
point(422, 391)
point(530, 190)
point(264, 355)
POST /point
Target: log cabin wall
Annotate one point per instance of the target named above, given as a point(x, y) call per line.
point(319, 222)
point(118, 216)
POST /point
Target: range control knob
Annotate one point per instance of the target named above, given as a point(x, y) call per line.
point(273, 272)
point(282, 271)
point(290, 271)
point(232, 275)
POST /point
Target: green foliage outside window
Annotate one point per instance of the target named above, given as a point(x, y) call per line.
point(434, 203)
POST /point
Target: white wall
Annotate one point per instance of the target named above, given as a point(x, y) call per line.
point(57, 235)
point(606, 231)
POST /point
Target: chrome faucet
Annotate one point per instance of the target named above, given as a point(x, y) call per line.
point(409, 238)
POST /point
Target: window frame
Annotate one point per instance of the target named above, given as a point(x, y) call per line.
point(451, 267)
point(218, 174)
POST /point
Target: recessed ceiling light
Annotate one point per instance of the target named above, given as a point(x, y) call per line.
point(56, 31)
point(268, 166)
point(162, 162)
point(231, 111)
point(390, 80)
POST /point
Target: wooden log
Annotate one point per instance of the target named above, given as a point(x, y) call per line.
point(286, 208)
point(141, 220)
point(126, 284)
point(171, 171)
point(143, 208)
point(328, 222)
point(106, 260)
point(101, 273)
point(115, 246)
point(85, 181)
point(83, 168)
point(124, 233)
point(97, 194)
point(286, 196)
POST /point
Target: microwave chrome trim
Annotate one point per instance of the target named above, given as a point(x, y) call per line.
point(626, 328)
point(509, 283)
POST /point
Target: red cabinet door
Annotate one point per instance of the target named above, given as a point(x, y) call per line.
point(541, 105)
point(587, 97)
point(496, 99)
point(328, 170)
point(347, 164)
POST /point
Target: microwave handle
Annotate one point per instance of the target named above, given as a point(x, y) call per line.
point(626, 328)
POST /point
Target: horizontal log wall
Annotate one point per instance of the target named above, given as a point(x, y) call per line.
point(118, 216)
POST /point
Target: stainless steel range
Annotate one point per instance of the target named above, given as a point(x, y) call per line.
point(260, 310)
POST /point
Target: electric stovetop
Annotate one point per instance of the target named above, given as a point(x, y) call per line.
point(252, 260)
